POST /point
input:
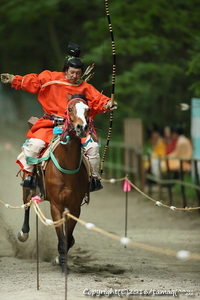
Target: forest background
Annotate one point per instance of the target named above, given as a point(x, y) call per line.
point(157, 51)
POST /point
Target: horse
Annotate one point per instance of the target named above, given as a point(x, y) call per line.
point(67, 186)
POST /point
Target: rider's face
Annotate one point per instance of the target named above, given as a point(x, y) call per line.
point(73, 75)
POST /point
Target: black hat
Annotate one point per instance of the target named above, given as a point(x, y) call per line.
point(73, 50)
point(73, 61)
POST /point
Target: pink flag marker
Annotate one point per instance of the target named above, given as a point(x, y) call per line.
point(127, 186)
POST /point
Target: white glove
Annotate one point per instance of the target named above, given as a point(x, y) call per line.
point(111, 106)
point(7, 78)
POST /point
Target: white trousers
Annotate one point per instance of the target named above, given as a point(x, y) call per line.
point(32, 147)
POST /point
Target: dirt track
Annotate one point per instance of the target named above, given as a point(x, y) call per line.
point(97, 262)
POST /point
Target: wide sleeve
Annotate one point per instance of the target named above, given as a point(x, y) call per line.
point(31, 82)
point(96, 100)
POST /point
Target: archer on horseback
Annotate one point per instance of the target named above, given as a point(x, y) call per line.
point(52, 89)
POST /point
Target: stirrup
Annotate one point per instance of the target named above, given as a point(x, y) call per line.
point(29, 182)
point(95, 184)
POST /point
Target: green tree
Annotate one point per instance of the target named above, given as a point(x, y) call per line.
point(157, 46)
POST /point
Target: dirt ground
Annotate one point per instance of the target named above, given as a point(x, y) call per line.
point(97, 263)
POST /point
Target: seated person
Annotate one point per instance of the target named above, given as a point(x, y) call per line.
point(158, 150)
point(170, 139)
point(53, 89)
point(183, 149)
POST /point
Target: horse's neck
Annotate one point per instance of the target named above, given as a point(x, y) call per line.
point(71, 148)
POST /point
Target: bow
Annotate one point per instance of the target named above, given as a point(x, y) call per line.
point(113, 83)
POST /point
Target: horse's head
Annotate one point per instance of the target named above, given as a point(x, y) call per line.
point(78, 116)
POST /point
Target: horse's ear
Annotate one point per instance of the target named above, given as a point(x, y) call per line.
point(69, 97)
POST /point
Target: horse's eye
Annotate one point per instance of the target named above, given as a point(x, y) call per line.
point(70, 109)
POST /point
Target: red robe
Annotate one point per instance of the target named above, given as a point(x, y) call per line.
point(53, 98)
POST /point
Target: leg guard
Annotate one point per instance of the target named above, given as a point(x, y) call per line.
point(92, 152)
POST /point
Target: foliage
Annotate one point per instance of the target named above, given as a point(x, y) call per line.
point(157, 46)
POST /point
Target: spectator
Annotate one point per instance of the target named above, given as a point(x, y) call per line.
point(158, 150)
point(183, 149)
point(158, 144)
point(170, 139)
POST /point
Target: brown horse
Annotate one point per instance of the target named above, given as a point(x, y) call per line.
point(66, 178)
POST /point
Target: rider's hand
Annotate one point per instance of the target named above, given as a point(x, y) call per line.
point(7, 78)
point(111, 106)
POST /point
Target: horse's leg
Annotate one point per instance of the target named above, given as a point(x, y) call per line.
point(24, 233)
point(57, 215)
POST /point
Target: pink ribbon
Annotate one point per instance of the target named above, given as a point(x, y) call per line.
point(127, 186)
point(36, 199)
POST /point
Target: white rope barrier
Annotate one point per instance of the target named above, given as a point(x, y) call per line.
point(182, 254)
point(158, 203)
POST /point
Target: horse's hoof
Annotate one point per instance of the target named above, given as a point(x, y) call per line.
point(65, 270)
point(62, 263)
point(23, 236)
point(56, 261)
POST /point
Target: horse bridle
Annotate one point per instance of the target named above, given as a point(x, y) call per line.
point(68, 124)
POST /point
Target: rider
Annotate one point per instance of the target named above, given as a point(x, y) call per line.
point(52, 89)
